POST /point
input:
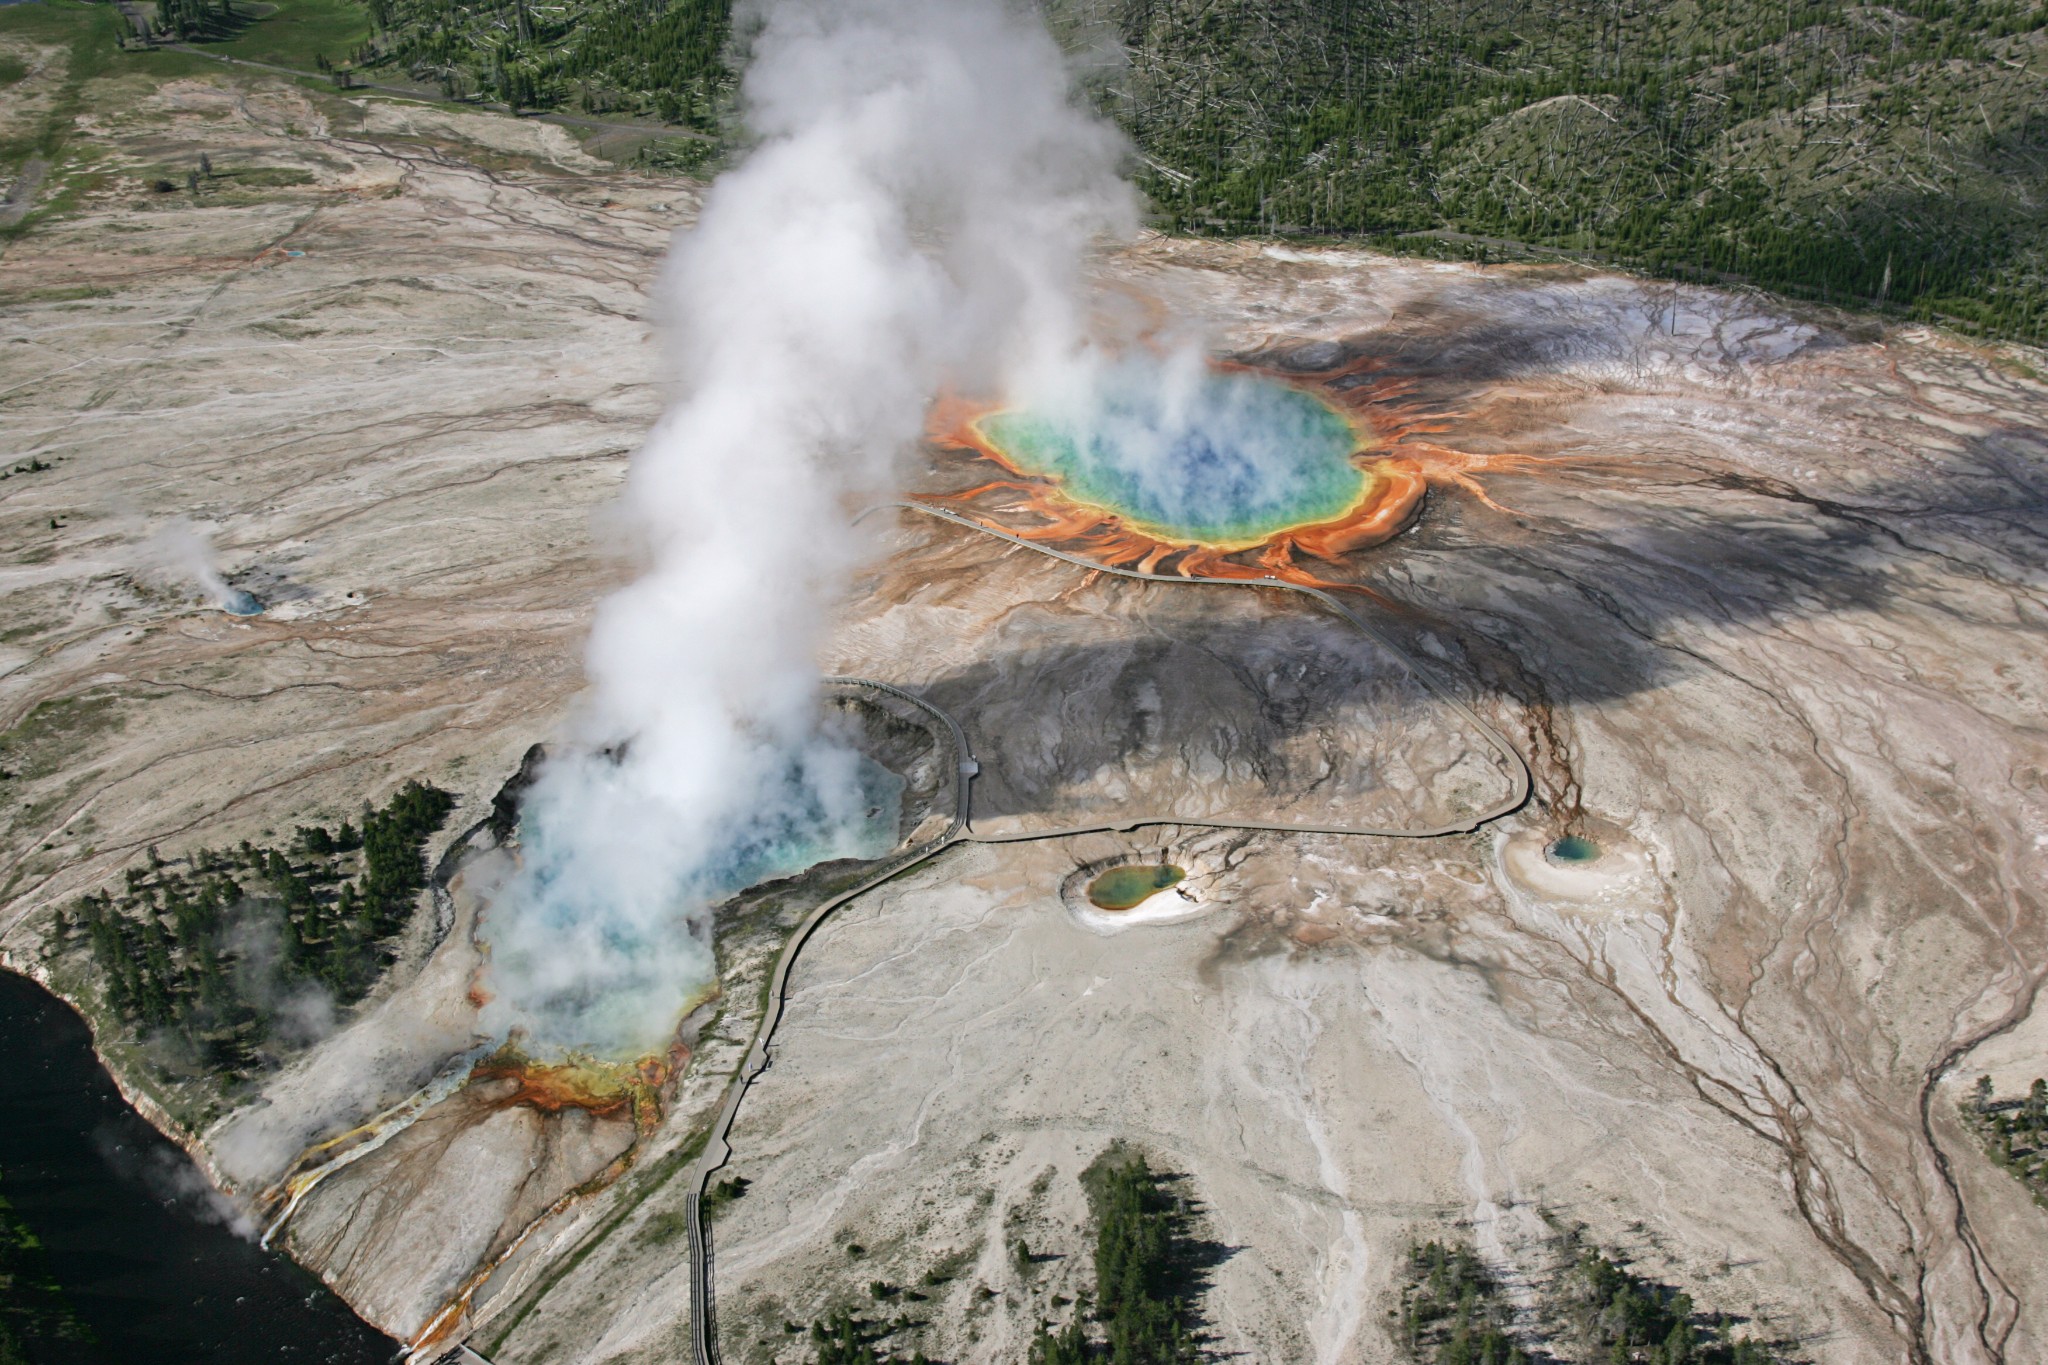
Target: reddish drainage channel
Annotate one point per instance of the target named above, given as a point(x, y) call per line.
point(137, 1249)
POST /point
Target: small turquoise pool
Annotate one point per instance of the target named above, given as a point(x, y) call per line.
point(1573, 849)
point(1209, 456)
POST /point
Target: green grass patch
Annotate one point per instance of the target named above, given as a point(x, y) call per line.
point(12, 68)
point(59, 23)
point(261, 177)
point(2012, 364)
point(28, 627)
point(90, 35)
point(64, 190)
point(297, 33)
point(101, 77)
point(664, 1229)
point(93, 62)
point(224, 181)
point(54, 732)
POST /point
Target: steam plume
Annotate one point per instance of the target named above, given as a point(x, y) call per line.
point(915, 213)
point(182, 553)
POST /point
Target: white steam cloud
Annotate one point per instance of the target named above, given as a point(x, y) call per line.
point(180, 553)
point(170, 1176)
point(915, 213)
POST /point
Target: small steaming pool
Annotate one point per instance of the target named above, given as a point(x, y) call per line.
point(239, 603)
point(1123, 888)
point(1213, 457)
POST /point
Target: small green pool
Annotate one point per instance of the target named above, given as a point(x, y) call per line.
point(1120, 888)
point(1573, 849)
point(1222, 458)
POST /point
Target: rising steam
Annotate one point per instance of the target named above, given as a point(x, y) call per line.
point(914, 214)
point(181, 554)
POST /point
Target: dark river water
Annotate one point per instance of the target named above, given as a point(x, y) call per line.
point(132, 1237)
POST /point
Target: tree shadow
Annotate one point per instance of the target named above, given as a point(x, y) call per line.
point(1607, 583)
point(1583, 568)
point(1595, 573)
point(1194, 1257)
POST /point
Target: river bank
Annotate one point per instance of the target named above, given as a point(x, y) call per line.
point(147, 1255)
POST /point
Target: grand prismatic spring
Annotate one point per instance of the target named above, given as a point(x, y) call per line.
point(1157, 463)
point(1228, 460)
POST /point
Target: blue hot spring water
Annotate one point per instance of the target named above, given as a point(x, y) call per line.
point(767, 849)
point(1574, 849)
point(647, 980)
point(1227, 460)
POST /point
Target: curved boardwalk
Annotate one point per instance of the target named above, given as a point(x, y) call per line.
point(718, 1150)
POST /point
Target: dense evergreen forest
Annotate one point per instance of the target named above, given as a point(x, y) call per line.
point(1878, 157)
point(228, 956)
point(1888, 158)
point(667, 60)
point(1455, 1311)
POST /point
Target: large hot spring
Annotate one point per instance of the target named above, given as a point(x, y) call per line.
point(1190, 453)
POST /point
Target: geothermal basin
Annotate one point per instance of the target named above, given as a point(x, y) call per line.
point(1224, 458)
point(1157, 459)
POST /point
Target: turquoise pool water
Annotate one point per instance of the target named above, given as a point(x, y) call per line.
point(1573, 849)
point(639, 968)
point(1214, 457)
